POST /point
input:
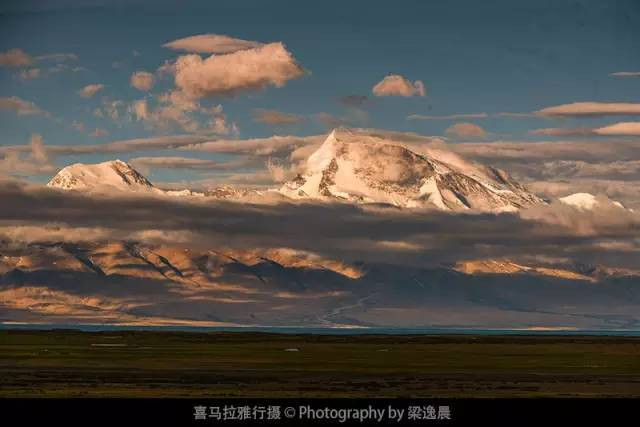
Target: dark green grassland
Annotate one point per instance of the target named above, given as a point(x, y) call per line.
point(177, 364)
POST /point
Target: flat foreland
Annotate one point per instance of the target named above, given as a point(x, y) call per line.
point(68, 363)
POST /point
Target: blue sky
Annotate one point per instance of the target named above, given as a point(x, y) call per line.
point(473, 57)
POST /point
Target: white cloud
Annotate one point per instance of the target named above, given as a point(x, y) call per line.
point(352, 117)
point(57, 57)
point(211, 43)
point(18, 58)
point(274, 117)
point(256, 146)
point(170, 142)
point(562, 167)
point(114, 109)
point(165, 116)
point(466, 130)
point(173, 162)
point(281, 172)
point(59, 67)
point(140, 109)
point(177, 162)
point(626, 74)
point(397, 85)
point(142, 80)
point(38, 151)
point(449, 117)
point(173, 109)
point(180, 100)
point(15, 58)
point(20, 106)
point(586, 109)
point(515, 151)
point(229, 74)
point(625, 191)
point(29, 74)
point(624, 128)
point(562, 132)
point(330, 121)
point(37, 161)
point(37, 72)
point(218, 123)
point(90, 90)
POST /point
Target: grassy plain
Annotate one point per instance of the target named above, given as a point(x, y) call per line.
point(65, 363)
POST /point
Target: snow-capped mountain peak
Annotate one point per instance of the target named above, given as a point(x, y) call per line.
point(321, 158)
point(106, 176)
point(355, 166)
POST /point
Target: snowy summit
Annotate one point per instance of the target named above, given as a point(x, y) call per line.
point(106, 176)
point(358, 167)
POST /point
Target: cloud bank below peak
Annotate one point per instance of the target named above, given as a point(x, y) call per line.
point(339, 229)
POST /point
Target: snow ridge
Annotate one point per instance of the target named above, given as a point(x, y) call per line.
point(589, 202)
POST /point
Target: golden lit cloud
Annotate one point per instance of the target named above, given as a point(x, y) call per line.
point(397, 85)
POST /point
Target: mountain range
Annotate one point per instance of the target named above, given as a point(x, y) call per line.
point(126, 282)
point(348, 167)
point(133, 282)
